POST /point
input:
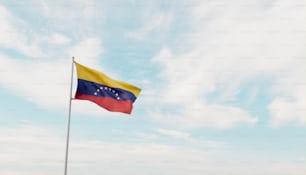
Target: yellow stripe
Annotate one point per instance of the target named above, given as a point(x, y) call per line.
point(89, 74)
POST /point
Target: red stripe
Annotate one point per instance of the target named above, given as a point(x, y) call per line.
point(109, 104)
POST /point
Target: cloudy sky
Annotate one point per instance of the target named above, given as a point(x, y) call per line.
point(223, 87)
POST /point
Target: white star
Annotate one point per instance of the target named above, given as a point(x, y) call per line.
point(98, 90)
point(101, 87)
point(105, 88)
point(118, 98)
point(116, 94)
point(96, 93)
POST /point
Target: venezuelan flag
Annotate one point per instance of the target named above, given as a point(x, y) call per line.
point(113, 95)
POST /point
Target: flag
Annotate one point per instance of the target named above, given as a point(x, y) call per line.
point(113, 95)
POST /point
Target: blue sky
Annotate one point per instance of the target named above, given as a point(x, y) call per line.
point(223, 87)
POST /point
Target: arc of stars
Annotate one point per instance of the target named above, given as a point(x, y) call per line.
point(113, 91)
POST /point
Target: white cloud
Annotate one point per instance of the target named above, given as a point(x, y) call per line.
point(76, 17)
point(289, 105)
point(87, 51)
point(174, 133)
point(189, 139)
point(188, 79)
point(47, 82)
point(27, 147)
point(12, 35)
point(69, 11)
point(58, 39)
point(15, 35)
point(159, 22)
point(199, 115)
point(224, 50)
point(231, 44)
point(42, 82)
point(287, 111)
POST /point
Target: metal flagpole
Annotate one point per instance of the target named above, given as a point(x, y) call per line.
point(69, 116)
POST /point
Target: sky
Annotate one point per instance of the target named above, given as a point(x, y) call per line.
point(223, 87)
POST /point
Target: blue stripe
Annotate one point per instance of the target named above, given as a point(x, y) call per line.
point(99, 90)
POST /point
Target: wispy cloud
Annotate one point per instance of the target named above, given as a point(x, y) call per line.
point(157, 22)
point(58, 39)
point(70, 14)
point(197, 60)
point(25, 147)
point(222, 51)
point(46, 82)
point(12, 35)
point(174, 133)
point(187, 81)
point(227, 50)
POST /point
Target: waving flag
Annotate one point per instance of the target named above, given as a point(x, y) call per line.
point(113, 95)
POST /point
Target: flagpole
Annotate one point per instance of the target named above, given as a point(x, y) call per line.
point(69, 116)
